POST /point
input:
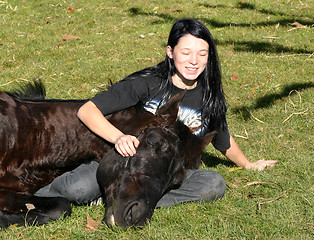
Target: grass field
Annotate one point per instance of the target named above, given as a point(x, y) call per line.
point(266, 53)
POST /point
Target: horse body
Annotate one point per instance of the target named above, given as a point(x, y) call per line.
point(41, 139)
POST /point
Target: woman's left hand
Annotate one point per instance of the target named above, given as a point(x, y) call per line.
point(262, 164)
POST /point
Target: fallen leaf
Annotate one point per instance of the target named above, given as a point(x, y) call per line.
point(249, 96)
point(234, 78)
point(68, 37)
point(70, 9)
point(91, 224)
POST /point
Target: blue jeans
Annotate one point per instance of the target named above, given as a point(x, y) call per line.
point(80, 187)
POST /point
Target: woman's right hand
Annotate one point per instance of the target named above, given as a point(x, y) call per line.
point(126, 145)
point(92, 117)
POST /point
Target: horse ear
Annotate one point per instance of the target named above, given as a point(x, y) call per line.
point(207, 138)
point(171, 108)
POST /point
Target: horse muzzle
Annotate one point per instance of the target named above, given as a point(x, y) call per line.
point(133, 214)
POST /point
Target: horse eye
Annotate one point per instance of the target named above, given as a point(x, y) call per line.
point(150, 142)
point(153, 142)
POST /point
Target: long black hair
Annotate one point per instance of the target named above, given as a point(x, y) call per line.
point(214, 105)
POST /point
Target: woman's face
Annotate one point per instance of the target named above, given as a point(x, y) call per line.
point(190, 57)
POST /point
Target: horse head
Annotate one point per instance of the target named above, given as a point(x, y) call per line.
point(132, 186)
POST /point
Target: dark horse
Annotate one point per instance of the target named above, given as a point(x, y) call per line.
point(41, 139)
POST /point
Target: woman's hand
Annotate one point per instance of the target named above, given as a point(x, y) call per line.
point(126, 145)
point(262, 164)
point(235, 155)
point(92, 117)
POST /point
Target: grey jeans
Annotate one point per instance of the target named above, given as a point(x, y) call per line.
point(80, 187)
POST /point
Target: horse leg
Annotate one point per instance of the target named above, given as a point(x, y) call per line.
point(32, 210)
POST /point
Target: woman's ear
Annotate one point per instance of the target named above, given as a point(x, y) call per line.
point(169, 52)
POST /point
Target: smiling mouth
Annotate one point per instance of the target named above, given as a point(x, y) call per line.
point(191, 69)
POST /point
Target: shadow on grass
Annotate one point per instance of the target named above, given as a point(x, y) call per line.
point(290, 18)
point(212, 161)
point(244, 46)
point(252, 7)
point(260, 46)
point(287, 20)
point(268, 100)
point(165, 17)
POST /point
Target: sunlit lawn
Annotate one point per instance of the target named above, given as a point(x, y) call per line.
point(266, 53)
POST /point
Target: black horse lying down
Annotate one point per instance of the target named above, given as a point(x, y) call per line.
point(41, 139)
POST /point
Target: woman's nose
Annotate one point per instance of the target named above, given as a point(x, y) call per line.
point(193, 59)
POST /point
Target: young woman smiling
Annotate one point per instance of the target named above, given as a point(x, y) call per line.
point(191, 64)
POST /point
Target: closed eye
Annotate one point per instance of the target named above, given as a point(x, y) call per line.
point(153, 143)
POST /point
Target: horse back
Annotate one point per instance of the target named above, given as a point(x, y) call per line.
point(39, 140)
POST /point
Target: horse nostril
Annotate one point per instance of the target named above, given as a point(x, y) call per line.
point(131, 212)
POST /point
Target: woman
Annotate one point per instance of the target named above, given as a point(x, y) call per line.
point(191, 63)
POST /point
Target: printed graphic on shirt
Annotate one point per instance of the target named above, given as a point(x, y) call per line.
point(152, 105)
point(189, 116)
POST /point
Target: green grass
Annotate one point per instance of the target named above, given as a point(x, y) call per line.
point(273, 65)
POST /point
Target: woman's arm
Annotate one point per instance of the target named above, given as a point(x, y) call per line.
point(92, 117)
point(235, 155)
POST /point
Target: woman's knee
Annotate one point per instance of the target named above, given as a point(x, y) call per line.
point(79, 186)
point(213, 185)
point(219, 185)
point(81, 192)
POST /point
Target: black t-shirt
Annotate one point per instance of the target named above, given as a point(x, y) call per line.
point(145, 90)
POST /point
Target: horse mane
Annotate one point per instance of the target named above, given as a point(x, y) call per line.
point(30, 91)
point(35, 91)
